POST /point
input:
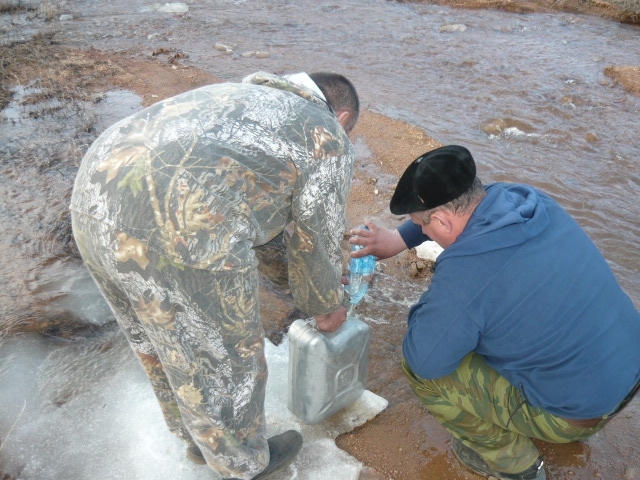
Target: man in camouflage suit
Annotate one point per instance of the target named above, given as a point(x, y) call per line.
point(168, 208)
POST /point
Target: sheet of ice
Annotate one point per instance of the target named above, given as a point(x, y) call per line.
point(320, 458)
point(86, 410)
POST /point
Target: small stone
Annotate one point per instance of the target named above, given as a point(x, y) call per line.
point(629, 473)
point(221, 47)
point(177, 7)
point(591, 137)
point(453, 27)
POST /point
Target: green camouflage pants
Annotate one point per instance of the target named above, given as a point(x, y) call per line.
point(489, 415)
point(199, 337)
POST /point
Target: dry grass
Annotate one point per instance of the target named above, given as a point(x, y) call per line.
point(14, 6)
point(50, 10)
point(59, 73)
point(629, 5)
point(14, 58)
point(13, 426)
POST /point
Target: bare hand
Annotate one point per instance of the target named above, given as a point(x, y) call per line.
point(379, 241)
point(331, 321)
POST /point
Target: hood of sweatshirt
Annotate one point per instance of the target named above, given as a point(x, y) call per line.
point(509, 215)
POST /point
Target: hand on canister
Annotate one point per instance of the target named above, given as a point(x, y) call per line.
point(331, 321)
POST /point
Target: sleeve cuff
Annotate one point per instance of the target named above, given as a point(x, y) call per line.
point(346, 298)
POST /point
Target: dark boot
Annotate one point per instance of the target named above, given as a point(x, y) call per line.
point(283, 449)
point(473, 461)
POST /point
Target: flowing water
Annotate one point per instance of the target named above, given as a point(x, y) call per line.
point(525, 93)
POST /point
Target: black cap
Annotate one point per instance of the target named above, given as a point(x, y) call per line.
point(433, 179)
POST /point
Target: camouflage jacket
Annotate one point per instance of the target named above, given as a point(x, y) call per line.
point(203, 177)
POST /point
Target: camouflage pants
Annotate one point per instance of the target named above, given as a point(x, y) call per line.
point(489, 415)
point(199, 337)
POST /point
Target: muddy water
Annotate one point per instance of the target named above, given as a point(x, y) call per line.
point(526, 94)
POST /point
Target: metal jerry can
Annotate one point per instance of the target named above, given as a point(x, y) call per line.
point(327, 371)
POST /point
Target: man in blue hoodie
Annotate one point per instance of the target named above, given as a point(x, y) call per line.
point(524, 331)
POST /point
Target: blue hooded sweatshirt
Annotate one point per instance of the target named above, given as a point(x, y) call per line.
point(525, 287)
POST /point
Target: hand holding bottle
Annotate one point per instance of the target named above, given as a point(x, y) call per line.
point(362, 270)
point(379, 241)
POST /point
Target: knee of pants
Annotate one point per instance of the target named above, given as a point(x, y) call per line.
point(421, 386)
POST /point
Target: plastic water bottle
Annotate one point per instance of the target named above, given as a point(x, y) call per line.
point(362, 270)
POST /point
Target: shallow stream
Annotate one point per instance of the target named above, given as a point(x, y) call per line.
point(525, 93)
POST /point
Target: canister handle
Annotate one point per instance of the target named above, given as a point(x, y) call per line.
point(312, 324)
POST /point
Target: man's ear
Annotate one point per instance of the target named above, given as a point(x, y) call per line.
point(343, 118)
point(444, 220)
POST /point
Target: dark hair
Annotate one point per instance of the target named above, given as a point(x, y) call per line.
point(340, 94)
